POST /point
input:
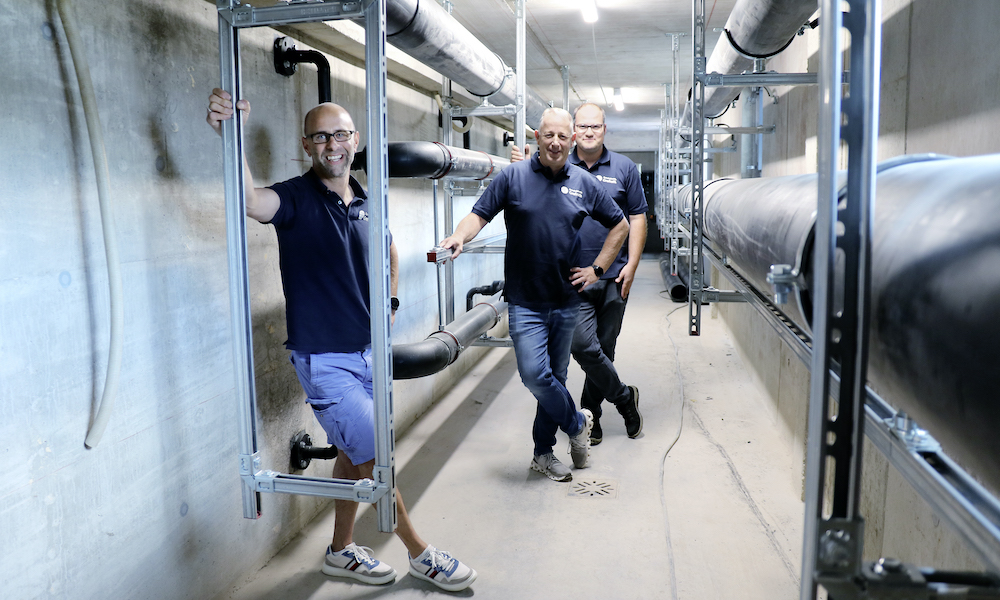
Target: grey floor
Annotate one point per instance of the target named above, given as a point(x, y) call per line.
point(700, 506)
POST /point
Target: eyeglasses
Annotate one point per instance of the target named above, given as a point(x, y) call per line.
point(597, 127)
point(322, 137)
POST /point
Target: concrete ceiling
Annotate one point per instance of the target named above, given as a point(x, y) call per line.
point(628, 47)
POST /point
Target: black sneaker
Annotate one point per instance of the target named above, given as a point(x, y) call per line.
point(596, 435)
point(630, 412)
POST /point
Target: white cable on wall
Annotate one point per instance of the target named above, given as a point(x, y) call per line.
point(94, 131)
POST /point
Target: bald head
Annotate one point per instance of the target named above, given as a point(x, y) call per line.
point(326, 110)
point(332, 153)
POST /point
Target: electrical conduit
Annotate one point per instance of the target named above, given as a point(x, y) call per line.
point(89, 100)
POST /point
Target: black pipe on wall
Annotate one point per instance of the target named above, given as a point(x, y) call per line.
point(435, 160)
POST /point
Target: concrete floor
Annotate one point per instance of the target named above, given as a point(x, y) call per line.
point(701, 504)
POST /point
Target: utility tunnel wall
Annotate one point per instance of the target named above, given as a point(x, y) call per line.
point(156, 506)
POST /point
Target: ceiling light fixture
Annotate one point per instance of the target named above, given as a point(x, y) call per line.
point(589, 10)
point(619, 102)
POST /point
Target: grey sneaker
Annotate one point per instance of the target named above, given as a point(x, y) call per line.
point(579, 444)
point(630, 412)
point(442, 569)
point(356, 562)
point(549, 465)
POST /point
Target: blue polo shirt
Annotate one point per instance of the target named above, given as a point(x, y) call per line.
point(543, 212)
point(323, 255)
point(620, 178)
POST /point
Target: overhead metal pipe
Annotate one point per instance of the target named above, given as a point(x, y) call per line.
point(935, 300)
point(442, 348)
point(426, 31)
point(434, 160)
point(755, 29)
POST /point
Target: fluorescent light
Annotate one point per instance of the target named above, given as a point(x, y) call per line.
point(619, 102)
point(589, 9)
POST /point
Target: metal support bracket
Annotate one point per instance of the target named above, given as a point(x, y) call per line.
point(710, 295)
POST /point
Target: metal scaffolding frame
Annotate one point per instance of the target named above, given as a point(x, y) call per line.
point(234, 16)
point(494, 244)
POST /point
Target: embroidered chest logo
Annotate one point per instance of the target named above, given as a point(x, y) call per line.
point(362, 215)
point(571, 192)
point(606, 179)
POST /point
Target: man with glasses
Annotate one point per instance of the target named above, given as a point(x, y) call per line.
point(322, 228)
point(603, 304)
point(545, 201)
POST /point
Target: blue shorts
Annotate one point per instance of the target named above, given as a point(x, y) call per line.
point(339, 387)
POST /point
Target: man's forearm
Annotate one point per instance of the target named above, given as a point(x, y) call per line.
point(612, 244)
point(636, 237)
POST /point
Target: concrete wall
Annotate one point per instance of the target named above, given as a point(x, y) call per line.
point(938, 94)
point(155, 511)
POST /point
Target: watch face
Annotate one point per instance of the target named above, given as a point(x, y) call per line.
point(394, 303)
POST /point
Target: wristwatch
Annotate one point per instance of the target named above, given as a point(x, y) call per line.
point(597, 270)
point(394, 303)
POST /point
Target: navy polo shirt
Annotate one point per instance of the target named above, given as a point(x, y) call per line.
point(543, 212)
point(620, 178)
point(323, 254)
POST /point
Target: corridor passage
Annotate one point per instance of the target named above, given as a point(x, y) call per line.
point(701, 506)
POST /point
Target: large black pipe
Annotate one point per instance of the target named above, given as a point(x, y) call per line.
point(425, 31)
point(442, 348)
point(935, 285)
point(435, 160)
point(757, 28)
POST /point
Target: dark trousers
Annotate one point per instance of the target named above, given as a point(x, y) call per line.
point(594, 343)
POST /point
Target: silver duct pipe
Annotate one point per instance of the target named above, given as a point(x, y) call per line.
point(426, 31)
point(442, 348)
point(758, 28)
point(935, 298)
point(435, 160)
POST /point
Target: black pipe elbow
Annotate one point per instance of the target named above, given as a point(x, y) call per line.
point(420, 359)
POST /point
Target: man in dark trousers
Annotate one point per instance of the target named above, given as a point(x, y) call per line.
point(545, 202)
point(322, 227)
point(603, 304)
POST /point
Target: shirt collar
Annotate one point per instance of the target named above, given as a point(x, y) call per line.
point(538, 167)
point(359, 192)
point(604, 159)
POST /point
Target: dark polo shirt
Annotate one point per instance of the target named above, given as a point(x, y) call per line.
point(620, 178)
point(323, 255)
point(543, 212)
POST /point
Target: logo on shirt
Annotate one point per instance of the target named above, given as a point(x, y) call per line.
point(572, 192)
point(362, 215)
point(606, 179)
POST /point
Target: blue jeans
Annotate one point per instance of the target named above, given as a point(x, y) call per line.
point(594, 344)
point(541, 345)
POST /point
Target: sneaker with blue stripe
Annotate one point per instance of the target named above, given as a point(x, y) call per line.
point(442, 569)
point(357, 562)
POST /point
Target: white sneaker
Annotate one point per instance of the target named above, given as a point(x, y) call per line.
point(551, 467)
point(579, 444)
point(442, 569)
point(357, 562)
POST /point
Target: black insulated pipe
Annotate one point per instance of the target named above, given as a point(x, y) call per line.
point(441, 348)
point(676, 286)
point(287, 58)
point(435, 160)
point(935, 285)
point(483, 290)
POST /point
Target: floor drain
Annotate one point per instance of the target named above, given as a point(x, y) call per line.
point(594, 488)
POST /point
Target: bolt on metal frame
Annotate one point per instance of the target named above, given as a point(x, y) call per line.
point(232, 17)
